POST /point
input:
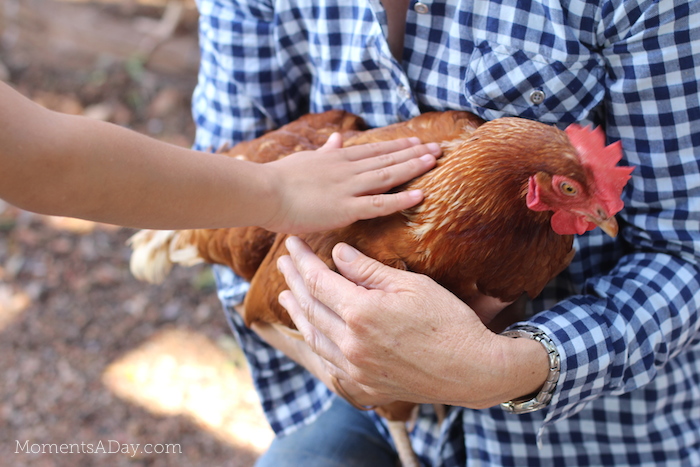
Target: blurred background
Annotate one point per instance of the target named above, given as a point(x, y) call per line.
point(87, 353)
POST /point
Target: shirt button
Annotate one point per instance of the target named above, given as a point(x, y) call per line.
point(421, 8)
point(537, 97)
point(404, 92)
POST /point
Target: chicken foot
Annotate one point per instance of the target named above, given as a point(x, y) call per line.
point(399, 433)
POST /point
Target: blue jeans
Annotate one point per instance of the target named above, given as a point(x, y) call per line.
point(341, 437)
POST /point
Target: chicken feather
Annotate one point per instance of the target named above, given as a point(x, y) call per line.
point(484, 229)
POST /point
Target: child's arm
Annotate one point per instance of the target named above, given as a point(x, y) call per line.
point(67, 165)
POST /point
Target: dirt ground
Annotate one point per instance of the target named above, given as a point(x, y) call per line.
point(93, 362)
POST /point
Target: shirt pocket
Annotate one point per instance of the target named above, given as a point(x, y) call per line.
point(501, 80)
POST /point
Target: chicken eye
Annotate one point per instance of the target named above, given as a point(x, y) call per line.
point(568, 189)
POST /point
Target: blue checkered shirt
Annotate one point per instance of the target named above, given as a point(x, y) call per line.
point(624, 315)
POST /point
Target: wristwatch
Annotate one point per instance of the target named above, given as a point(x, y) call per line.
point(541, 400)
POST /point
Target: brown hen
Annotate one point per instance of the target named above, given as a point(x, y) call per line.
point(497, 219)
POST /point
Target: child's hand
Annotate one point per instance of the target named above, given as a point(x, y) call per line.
point(333, 187)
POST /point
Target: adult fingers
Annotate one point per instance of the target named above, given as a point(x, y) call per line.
point(318, 342)
point(301, 284)
point(365, 271)
point(306, 275)
point(314, 284)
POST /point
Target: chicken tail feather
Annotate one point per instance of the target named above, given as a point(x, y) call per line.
point(155, 252)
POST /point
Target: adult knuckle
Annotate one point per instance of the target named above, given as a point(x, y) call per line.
point(312, 338)
point(314, 282)
point(370, 391)
point(359, 376)
point(363, 380)
point(359, 323)
point(369, 269)
point(306, 304)
point(355, 355)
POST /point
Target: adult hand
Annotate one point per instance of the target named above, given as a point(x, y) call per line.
point(334, 186)
point(301, 353)
point(397, 335)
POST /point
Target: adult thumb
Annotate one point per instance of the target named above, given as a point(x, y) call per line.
point(363, 270)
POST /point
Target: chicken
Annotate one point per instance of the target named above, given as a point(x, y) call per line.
point(497, 220)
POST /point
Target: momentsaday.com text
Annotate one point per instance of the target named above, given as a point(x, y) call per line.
point(101, 447)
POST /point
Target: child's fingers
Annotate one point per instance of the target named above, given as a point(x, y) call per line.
point(388, 151)
point(390, 159)
point(383, 179)
point(370, 206)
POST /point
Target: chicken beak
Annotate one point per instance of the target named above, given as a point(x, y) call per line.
point(609, 225)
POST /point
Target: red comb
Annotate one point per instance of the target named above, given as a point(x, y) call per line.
point(602, 161)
